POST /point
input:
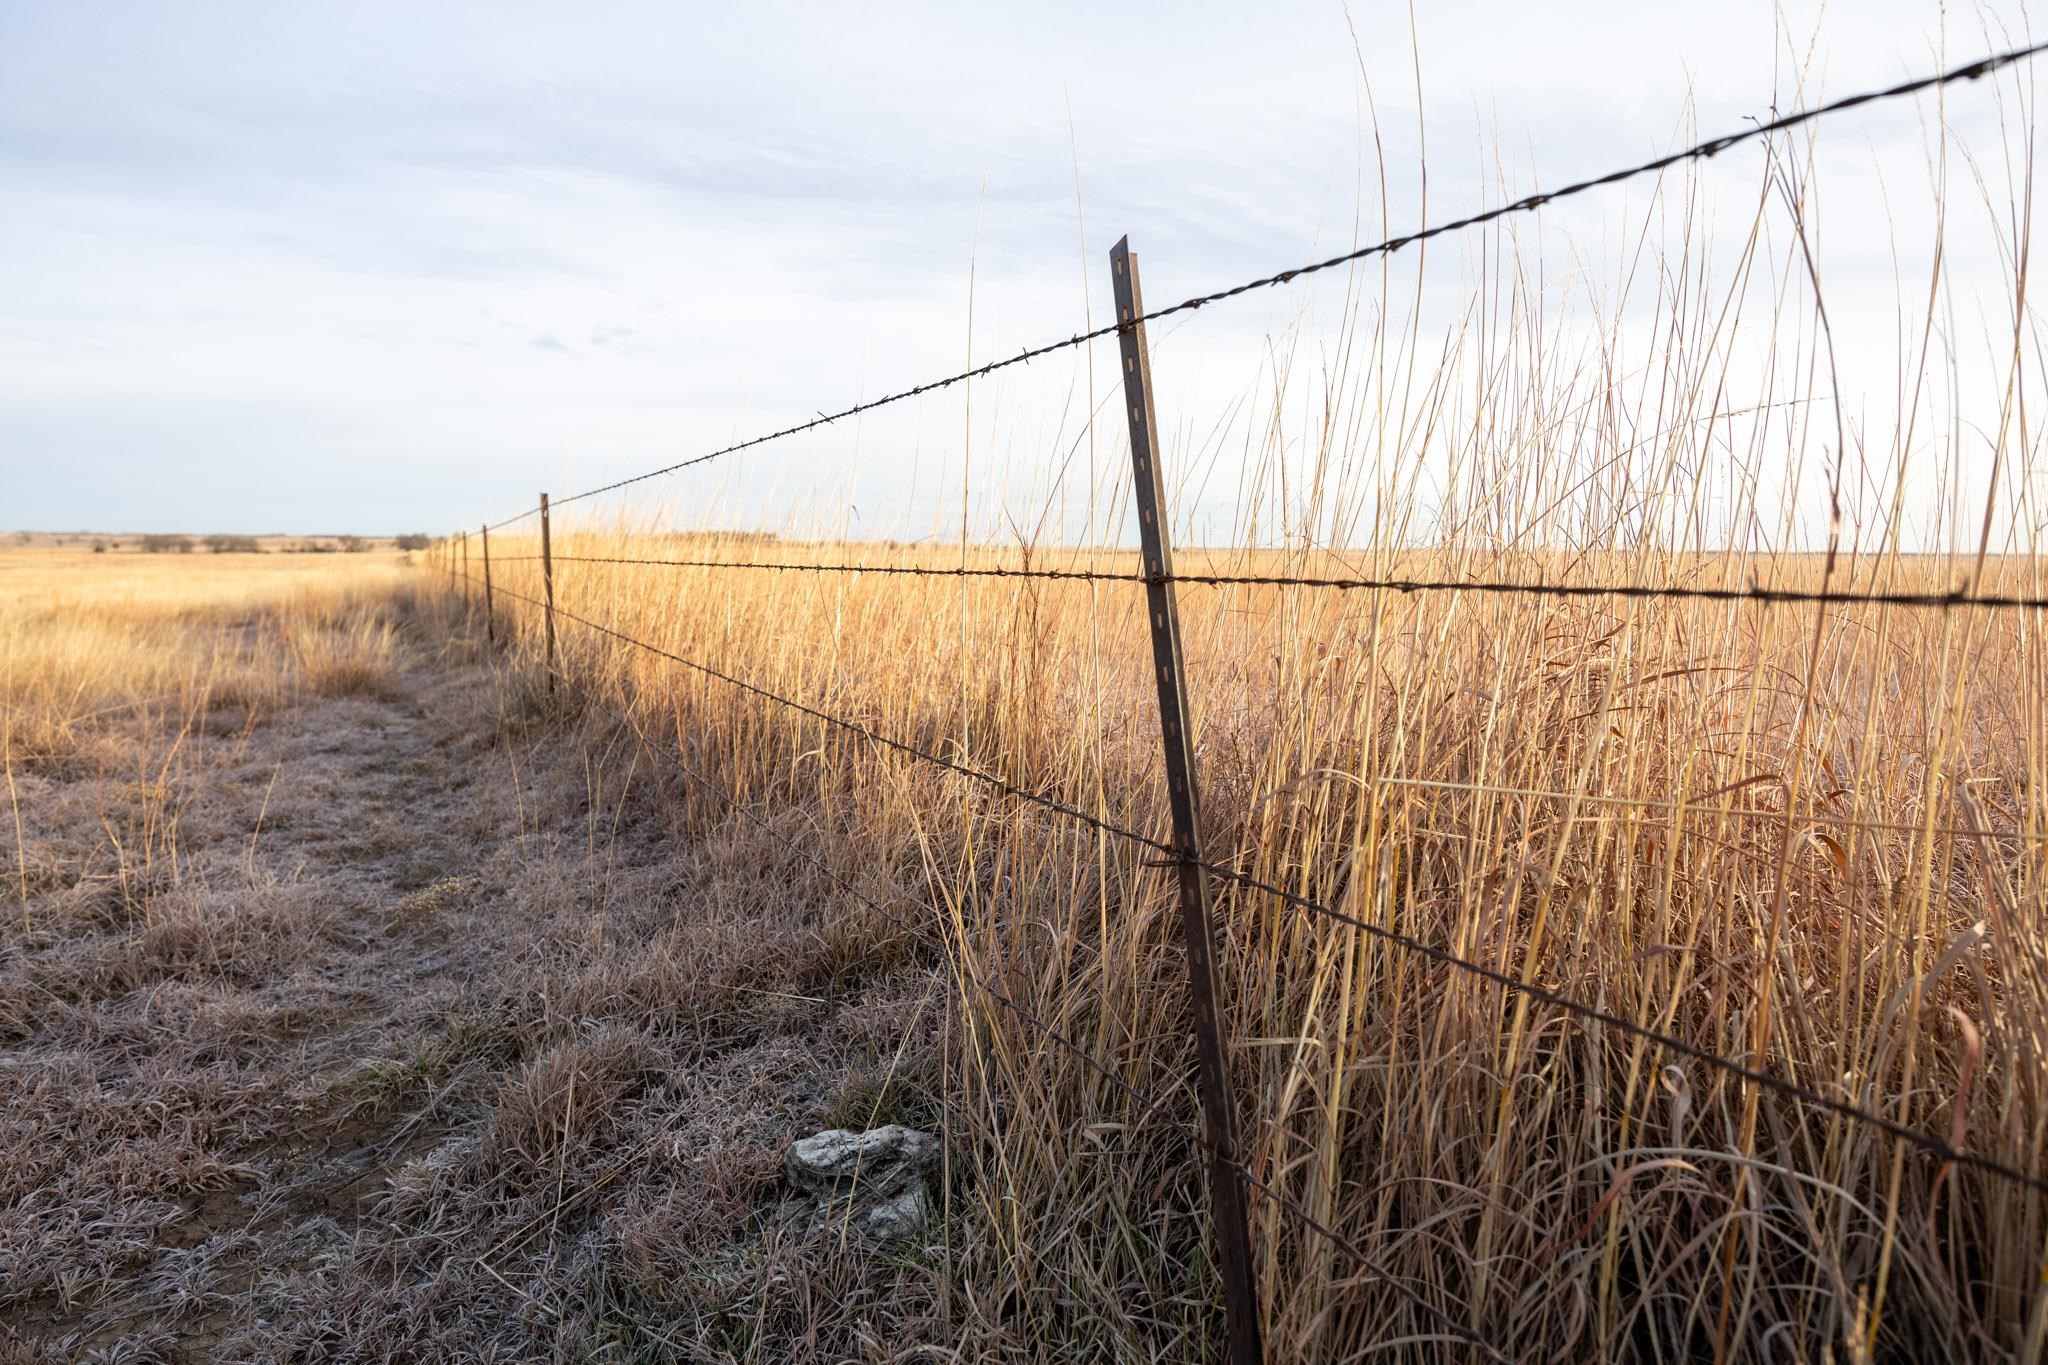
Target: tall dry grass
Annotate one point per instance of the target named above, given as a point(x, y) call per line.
point(1599, 798)
point(1808, 838)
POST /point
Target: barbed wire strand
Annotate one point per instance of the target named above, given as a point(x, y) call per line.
point(1954, 598)
point(1792, 1089)
point(902, 570)
point(1712, 147)
point(1754, 592)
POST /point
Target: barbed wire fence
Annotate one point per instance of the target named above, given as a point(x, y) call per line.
point(1230, 1180)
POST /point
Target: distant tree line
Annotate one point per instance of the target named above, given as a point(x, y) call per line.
point(185, 545)
point(249, 545)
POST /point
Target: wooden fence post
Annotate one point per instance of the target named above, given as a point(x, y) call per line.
point(465, 569)
point(1212, 1074)
point(490, 610)
point(547, 578)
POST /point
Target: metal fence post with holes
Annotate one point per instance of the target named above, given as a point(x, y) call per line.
point(490, 609)
point(1212, 1075)
point(547, 578)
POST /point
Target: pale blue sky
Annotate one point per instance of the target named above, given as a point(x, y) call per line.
point(379, 266)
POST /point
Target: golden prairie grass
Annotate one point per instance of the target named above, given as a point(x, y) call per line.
point(150, 649)
point(1719, 821)
point(84, 634)
point(344, 658)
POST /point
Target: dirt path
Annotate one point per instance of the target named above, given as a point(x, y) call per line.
point(401, 1025)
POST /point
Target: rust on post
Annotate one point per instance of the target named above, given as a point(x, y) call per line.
point(490, 610)
point(1226, 1191)
point(547, 578)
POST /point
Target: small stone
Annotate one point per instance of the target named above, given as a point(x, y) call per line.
point(877, 1176)
point(881, 1162)
point(902, 1216)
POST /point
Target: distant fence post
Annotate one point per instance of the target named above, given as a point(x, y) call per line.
point(547, 578)
point(1226, 1192)
point(490, 608)
point(465, 569)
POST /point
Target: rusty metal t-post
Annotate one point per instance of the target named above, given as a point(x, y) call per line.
point(1226, 1191)
point(547, 578)
point(490, 611)
point(465, 569)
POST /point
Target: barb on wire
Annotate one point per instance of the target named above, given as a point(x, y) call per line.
point(1557, 999)
point(1712, 147)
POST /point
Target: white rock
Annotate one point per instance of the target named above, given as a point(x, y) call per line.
point(877, 1176)
point(902, 1216)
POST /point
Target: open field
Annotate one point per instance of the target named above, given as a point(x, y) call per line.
point(363, 1000)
